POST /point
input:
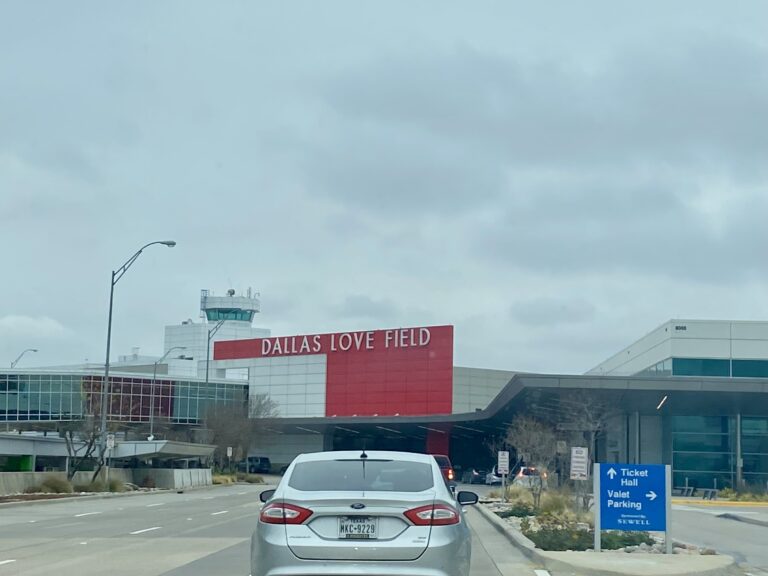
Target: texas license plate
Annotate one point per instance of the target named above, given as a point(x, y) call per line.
point(357, 527)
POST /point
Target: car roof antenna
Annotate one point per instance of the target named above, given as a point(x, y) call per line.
point(363, 455)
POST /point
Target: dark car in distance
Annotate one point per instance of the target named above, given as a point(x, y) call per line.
point(256, 465)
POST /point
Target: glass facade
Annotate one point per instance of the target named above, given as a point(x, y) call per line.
point(704, 450)
point(715, 367)
point(29, 397)
point(216, 314)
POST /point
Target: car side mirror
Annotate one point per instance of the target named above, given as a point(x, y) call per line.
point(466, 498)
point(267, 494)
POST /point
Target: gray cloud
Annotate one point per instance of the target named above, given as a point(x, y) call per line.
point(552, 311)
point(602, 170)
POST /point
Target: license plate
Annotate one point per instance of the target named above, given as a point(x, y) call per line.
point(357, 528)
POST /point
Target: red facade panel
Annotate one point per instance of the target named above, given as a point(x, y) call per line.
point(405, 371)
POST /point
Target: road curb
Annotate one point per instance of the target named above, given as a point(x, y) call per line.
point(106, 495)
point(737, 518)
point(527, 547)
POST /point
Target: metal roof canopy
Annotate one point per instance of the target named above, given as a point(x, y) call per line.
point(21, 445)
point(161, 449)
point(685, 396)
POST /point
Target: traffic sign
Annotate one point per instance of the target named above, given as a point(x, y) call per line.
point(110, 441)
point(633, 497)
point(579, 463)
point(229, 451)
point(503, 466)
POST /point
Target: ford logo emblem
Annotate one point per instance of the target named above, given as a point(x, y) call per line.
point(357, 506)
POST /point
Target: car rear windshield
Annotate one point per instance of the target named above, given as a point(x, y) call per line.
point(361, 475)
point(443, 461)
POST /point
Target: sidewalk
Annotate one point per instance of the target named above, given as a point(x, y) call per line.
point(613, 563)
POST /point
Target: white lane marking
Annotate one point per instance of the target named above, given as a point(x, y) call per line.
point(541, 573)
point(241, 493)
point(208, 498)
point(32, 521)
point(86, 514)
point(6, 562)
point(217, 513)
point(158, 504)
point(188, 519)
point(146, 530)
point(83, 543)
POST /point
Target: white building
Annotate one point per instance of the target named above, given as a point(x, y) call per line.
point(721, 348)
point(228, 317)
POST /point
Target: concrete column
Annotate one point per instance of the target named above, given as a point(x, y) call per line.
point(637, 437)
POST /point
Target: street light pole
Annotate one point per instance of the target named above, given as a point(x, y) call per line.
point(116, 275)
point(13, 364)
point(152, 392)
point(211, 332)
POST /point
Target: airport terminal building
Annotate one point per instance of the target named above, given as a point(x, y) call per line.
point(693, 394)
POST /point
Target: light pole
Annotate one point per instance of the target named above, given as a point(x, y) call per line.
point(152, 392)
point(211, 332)
point(116, 275)
point(13, 364)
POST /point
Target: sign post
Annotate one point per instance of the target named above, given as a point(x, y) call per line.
point(579, 463)
point(229, 458)
point(502, 468)
point(110, 447)
point(634, 497)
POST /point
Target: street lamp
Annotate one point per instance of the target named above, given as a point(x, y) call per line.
point(152, 392)
point(211, 332)
point(116, 275)
point(13, 364)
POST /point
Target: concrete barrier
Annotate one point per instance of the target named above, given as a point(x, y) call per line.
point(170, 478)
point(17, 482)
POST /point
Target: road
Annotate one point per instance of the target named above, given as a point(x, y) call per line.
point(704, 525)
point(196, 533)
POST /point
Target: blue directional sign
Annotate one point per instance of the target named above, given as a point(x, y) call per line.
point(633, 497)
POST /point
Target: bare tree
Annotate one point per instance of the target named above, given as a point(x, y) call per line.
point(537, 441)
point(237, 425)
point(81, 439)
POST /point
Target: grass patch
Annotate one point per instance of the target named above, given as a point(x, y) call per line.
point(56, 486)
point(223, 479)
point(249, 478)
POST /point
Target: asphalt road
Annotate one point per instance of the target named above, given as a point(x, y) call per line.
point(704, 525)
point(197, 533)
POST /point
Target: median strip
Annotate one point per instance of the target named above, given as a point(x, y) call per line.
point(146, 530)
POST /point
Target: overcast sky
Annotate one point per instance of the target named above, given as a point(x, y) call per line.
point(554, 179)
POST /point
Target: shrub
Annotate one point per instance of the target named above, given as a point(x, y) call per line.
point(617, 539)
point(519, 494)
point(222, 479)
point(116, 485)
point(518, 510)
point(558, 539)
point(56, 486)
point(32, 490)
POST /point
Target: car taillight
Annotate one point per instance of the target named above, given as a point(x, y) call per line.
point(284, 514)
point(437, 515)
point(450, 473)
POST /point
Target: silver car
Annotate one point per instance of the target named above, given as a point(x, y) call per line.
point(375, 513)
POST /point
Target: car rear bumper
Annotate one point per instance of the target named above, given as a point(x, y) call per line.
point(448, 554)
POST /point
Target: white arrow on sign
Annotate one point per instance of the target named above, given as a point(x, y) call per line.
point(611, 473)
point(651, 495)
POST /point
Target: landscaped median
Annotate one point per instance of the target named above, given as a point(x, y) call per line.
point(560, 538)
